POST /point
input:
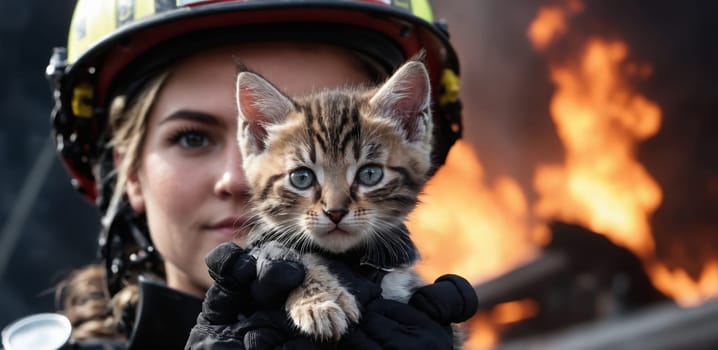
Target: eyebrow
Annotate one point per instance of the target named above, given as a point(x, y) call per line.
point(194, 116)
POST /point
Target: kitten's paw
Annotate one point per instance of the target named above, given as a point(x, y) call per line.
point(348, 303)
point(324, 317)
point(324, 321)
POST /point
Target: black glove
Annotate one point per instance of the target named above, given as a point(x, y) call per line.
point(450, 299)
point(385, 324)
point(238, 291)
point(422, 324)
point(234, 272)
point(389, 324)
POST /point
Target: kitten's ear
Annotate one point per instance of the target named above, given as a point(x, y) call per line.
point(406, 97)
point(260, 106)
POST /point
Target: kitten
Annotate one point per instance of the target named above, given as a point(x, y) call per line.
point(335, 174)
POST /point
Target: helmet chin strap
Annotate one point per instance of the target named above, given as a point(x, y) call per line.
point(126, 248)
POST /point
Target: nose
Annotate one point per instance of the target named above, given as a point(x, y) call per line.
point(336, 215)
point(231, 181)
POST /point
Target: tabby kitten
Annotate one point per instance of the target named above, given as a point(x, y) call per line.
point(335, 174)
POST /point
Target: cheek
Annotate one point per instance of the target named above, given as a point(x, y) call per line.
point(171, 189)
point(173, 198)
point(174, 203)
point(364, 209)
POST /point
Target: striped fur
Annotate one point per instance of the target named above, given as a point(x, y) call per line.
point(334, 134)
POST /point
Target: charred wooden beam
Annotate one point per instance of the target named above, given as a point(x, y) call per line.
point(580, 276)
point(523, 281)
point(665, 326)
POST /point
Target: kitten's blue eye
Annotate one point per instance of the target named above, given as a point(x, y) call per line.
point(370, 175)
point(301, 178)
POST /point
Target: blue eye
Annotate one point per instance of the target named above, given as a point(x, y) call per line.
point(370, 175)
point(301, 178)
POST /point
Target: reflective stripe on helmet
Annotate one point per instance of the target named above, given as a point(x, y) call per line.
point(450, 83)
point(82, 96)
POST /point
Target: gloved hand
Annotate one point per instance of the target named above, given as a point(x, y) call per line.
point(385, 324)
point(238, 291)
point(389, 324)
point(422, 324)
point(450, 299)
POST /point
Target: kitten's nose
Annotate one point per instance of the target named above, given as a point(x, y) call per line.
point(336, 215)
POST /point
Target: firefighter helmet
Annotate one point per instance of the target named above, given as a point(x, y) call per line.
point(113, 42)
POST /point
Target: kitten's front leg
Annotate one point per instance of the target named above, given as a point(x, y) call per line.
point(321, 307)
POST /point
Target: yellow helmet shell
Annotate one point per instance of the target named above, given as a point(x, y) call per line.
point(93, 20)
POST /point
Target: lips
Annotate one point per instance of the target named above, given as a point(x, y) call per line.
point(227, 227)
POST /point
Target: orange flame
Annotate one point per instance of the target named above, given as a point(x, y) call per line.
point(600, 121)
point(465, 227)
point(683, 288)
point(471, 228)
point(485, 327)
point(484, 333)
point(479, 229)
point(550, 23)
point(514, 311)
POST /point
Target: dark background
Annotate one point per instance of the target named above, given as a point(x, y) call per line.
point(47, 230)
point(46, 236)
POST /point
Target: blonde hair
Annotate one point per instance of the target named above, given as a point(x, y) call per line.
point(83, 296)
point(128, 126)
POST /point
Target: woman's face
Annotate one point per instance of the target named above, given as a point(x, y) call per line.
point(190, 181)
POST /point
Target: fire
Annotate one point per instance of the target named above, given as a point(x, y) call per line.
point(485, 326)
point(514, 311)
point(476, 229)
point(550, 23)
point(467, 227)
point(600, 120)
point(682, 287)
point(484, 334)
point(480, 228)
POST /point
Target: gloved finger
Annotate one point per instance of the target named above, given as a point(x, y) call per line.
point(395, 314)
point(400, 326)
point(271, 329)
point(356, 339)
point(265, 330)
point(233, 270)
point(304, 343)
point(231, 266)
point(221, 307)
point(262, 330)
point(276, 279)
point(449, 299)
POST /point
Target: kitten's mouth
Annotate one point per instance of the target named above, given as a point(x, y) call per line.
point(336, 231)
